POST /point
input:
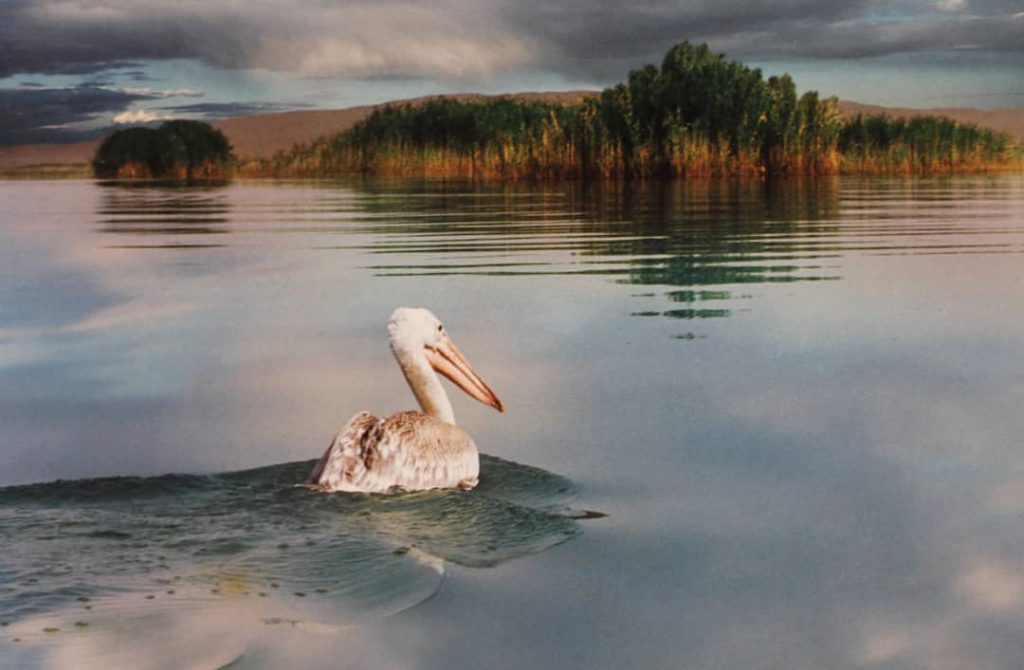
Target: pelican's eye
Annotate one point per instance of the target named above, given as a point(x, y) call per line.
point(440, 328)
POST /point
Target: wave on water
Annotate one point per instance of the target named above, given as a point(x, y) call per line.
point(135, 555)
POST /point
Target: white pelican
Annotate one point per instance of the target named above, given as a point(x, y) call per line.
point(410, 450)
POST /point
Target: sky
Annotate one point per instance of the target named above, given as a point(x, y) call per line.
point(72, 70)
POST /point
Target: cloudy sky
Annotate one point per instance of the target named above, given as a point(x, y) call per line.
point(73, 69)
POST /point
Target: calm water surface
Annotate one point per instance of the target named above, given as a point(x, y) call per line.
point(798, 404)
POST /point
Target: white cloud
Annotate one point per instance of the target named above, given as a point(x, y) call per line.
point(163, 93)
point(883, 645)
point(951, 5)
point(991, 586)
point(137, 116)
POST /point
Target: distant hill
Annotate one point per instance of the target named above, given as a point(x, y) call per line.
point(33, 155)
point(262, 135)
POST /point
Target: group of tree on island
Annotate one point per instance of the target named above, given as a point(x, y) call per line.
point(698, 114)
point(180, 149)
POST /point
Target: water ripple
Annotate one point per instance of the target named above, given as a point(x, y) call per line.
point(89, 556)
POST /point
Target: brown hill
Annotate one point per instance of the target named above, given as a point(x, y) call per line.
point(34, 155)
point(263, 135)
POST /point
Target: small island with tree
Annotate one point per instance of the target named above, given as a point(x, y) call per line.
point(180, 150)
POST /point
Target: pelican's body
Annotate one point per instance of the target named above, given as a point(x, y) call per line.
point(410, 450)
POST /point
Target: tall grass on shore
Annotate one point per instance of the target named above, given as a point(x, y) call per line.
point(59, 171)
point(696, 115)
point(879, 143)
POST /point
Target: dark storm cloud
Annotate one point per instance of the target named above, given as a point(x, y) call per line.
point(140, 76)
point(35, 115)
point(312, 37)
point(606, 39)
point(89, 67)
point(880, 38)
point(226, 110)
point(458, 38)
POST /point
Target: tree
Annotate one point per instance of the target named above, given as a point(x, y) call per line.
point(138, 152)
point(196, 146)
point(179, 149)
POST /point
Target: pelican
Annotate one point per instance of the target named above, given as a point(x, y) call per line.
point(410, 450)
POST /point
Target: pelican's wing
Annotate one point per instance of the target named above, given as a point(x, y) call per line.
point(425, 453)
point(345, 460)
point(409, 450)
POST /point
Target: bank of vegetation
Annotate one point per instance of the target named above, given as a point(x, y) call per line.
point(879, 143)
point(697, 114)
point(57, 171)
point(180, 150)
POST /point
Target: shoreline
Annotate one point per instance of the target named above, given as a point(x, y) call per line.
point(257, 137)
point(84, 172)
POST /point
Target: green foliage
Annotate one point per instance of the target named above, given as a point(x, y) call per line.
point(177, 149)
point(144, 147)
point(921, 143)
point(194, 143)
point(698, 114)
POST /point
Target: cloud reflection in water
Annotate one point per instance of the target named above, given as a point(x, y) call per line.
point(815, 474)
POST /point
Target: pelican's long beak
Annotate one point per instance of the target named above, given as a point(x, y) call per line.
point(447, 360)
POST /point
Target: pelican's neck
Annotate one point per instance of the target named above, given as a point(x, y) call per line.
point(425, 384)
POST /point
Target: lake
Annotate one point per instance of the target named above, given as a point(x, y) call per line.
point(750, 425)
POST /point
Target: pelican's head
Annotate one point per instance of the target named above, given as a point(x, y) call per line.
point(416, 332)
